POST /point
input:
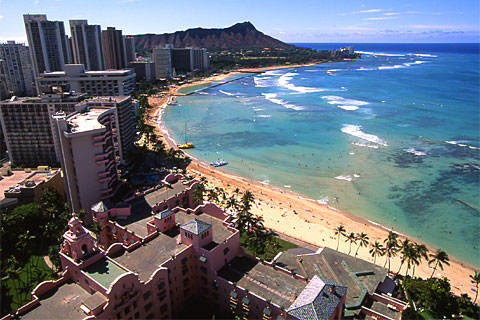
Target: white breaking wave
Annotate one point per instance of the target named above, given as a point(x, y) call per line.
point(408, 64)
point(227, 93)
point(272, 73)
point(346, 178)
point(284, 81)
point(381, 54)
point(324, 200)
point(257, 109)
point(263, 116)
point(365, 69)
point(260, 82)
point(391, 67)
point(416, 152)
point(272, 97)
point(357, 132)
point(425, 55)
point(371, 146)
point(451, 142)
point(349, 108)
point(343, 101)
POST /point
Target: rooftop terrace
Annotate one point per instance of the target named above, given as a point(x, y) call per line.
point(63, 302)
point(86, 121)
point(104, 272)
point(264, 281)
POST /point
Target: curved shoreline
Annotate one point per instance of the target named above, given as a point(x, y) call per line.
point(313, 222)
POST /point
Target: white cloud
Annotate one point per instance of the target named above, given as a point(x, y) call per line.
point(1, 17)
point(368, 11)
point(36, 2)
point(380, 18)
point(363, 11)
point(413, 12)
point(391, 14)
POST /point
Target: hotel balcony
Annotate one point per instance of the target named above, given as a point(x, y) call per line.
point(99, 162)
point(106, 191)
point(106, 179)
point(102, 174)
point(103, 155)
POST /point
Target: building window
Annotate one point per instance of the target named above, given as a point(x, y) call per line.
point(146, 295)
point(137, 315)
point(150, 316)
point(226, 250)
point(163, 308)
point(127, 310)
point(148, 306)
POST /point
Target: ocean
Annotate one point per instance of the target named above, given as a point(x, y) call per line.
point(393, 137)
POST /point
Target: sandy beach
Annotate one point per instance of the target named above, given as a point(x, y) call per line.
point(289, 213)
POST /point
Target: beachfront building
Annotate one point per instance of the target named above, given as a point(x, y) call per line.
point(47, 43)
point(29, 129)
point(190, 59)
point(144, 69)
point(162, 57)
point(16, 69)
point(94, 142)
point(87, 45)
point(114, 49)
point(30, 187)
point(94, 83)
point(174, 262)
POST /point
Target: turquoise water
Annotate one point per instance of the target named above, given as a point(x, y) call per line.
point(394, 137)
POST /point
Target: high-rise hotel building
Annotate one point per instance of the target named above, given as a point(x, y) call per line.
point(16, 69)
point(87, 45)
point(114, 49)
point(93, 143)
point(47, 42)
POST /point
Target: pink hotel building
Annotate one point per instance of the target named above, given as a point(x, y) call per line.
point(152, 261)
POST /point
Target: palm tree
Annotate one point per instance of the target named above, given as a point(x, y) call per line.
point(247, 200)
point(391, 247)
point(212, 195)
point(232, 203)
point(406, 252)
point(198, 193)
point(352, 238)
point(377, 250)
point(339, 231)
point(363, 241)
point(439, 258)
point(421, 251)
point(476, 281)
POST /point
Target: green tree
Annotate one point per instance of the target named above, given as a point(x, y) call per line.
point(439, 258)
point(406, 251)
point(198, 193)
point(351, 238)
point(475, 279)
point(377, 250)
point(362, 241)
point(391, 247)
point(339, 231)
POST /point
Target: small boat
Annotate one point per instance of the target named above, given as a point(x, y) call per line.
point(219, 163)
point(172, 102)
point(186, 145)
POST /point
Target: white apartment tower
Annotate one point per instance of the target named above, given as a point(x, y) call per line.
point(47, 42)
point(92, 143)
point(87, 45)
point(16, 69)
point(162, 57)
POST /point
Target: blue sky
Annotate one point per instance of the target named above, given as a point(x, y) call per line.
point(287, 20)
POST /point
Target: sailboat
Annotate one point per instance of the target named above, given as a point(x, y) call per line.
point(186, 145)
